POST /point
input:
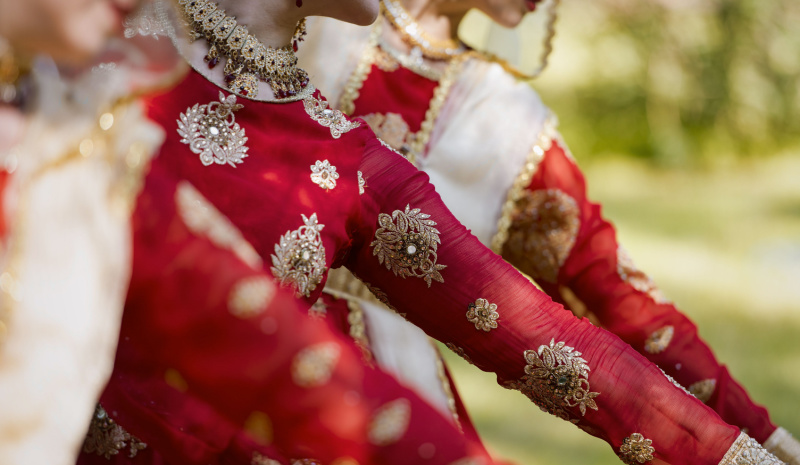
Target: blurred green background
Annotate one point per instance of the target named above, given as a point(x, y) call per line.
point(685, 116)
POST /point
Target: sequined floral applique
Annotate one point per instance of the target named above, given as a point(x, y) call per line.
point(406, 243)
point(324, 174)
point(659, 340)
point(212, 132)
point(747, 451)
point(636, 449)
point(338, 123)
point(361, 184)
point(389, 423)
point(251, 296)
point(483, 315)
point(704, 389)
point(314, 365)
point(556, 378)
point(299, 258)
point(106, 438)
point(637, 279)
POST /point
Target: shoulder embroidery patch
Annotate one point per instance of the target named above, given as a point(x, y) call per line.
point(212, 132)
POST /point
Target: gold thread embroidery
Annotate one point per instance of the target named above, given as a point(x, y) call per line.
point(299, 259)
point(483, 315)
point(203, 219)
point(677, 384)
point(406, 243)
point(314, 365)
point(250, 296)
point(543, 230)
point(747, 451)
point(385, 61)
point(106, 438)
point(324, 174)
point(389, 423)
point(361, 183)
point(543, 143)
point(637, 279)
point(636, 449)
point(704, 389)
point(460, 352)
point(212, 132)
point(358, 328)
point(335, 120)
point(659, 340)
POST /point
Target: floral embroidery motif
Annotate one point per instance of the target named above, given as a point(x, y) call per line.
point(659, 340)
point(250, 296)
point(704, 389)
point(338, 123)
point(390, 128)
point(212, 132)
point(389, 423)
point(637, 279)
point(544, 227)
point(299, 258)
point(747, 451)
point(203, 219)
point(361, 183)
point(556, 377)
point(107, 438)
point(313, 366)
point(636, 449)
point(324, 174)
point(460, 352)
point(483, 314)
point(406, 243)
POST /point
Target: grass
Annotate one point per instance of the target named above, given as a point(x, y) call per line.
point(724, 244)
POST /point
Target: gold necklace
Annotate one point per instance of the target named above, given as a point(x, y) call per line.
point(414, 35)
point(248, 60)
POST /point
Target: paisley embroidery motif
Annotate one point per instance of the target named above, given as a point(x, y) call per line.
point(313, 366)
point(637, 279)
point(106, 438)
point(704, 389)
point(299, 258)
point(338, 123)
point(406, 243)
point(659, 340)
point(636, 449)
point(324, 174)
point(483, 315)
point(543, 230)
point(212, 132)
point(389, 422)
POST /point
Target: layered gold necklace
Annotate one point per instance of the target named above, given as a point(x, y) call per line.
point(248, 61)
point(411, 33)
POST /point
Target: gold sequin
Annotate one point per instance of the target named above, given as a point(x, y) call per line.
point(212, 132)
point(543, 230)
point(483, 315)
point(747, 451)
point(313, 366)
point(106, 438)
point(324, 174)
point(637, 279)
point(659, 340)
point(251, 296)
point(299, 258)
point(556, 378)
point(389, 423)
point(636, 449)
point(335, 120)
point(406, 243)
point(704, 389)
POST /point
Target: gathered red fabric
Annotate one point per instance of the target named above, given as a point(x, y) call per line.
point(397, 236)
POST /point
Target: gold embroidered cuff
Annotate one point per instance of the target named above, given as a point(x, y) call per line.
point(783, 445)
point(747, 451)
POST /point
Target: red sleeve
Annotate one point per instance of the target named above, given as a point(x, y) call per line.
point(416, 256)
point(560, 239)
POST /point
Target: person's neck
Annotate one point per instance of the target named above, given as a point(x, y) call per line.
point(439, 20)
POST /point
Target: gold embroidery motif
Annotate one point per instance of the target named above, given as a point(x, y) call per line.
point(556, 377)
point(324, 174)
point(358, 328)
point(385, 61)
point(361, 183)
point(106, 438)
point(389, 423)
point(250, 296)
point(637, 279)
point(212, 132)
point(747, 451)
point(335, 120)
point(299, 258)
point(203, 219)
point(783, 445)
point(659, 340)
point(460, 352)
point(259, 459)
point(313, 366)
point(483, 314)
point(319, 310)
point(390, 128)
point(636, 449)
point(406, 243)
point(704, 389)
point(543, 230)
